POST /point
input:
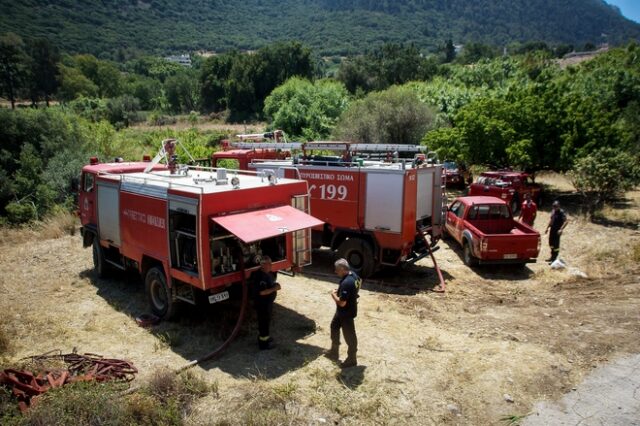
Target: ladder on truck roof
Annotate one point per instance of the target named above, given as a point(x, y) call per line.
point(332, 146)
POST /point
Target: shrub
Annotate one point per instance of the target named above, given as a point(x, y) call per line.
point(395, 115)
point(604, 175)
point(305, 109)
point(18, 213)
point(78, 404)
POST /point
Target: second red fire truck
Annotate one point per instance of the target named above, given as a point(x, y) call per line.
point(378, 209)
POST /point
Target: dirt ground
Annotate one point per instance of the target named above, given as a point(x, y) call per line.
point(498, 341)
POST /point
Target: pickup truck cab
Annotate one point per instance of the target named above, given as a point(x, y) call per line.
point(487, 232)
point(509, 186)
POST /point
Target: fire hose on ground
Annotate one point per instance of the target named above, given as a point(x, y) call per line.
point(236, 329)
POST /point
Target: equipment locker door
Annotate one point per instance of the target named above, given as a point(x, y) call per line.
point(383, 211)
point(109, 212)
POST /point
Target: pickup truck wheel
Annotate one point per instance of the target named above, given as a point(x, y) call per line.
point(467, 256)
point(159, 293)
point(99, 263)
point(359, 254)
point(515, 205)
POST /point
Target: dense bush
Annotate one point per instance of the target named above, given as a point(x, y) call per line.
point(604, 175)
point(395, 116)
point(305, 109)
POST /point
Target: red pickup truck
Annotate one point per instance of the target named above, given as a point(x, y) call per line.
point(488, 233)
point(508, 186)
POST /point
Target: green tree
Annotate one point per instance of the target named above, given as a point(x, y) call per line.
point(74, 84)
point(213, 76)
point(182, 92)
point(395, 115)
point(13, 60)
point(105, 75)
point(473, 52)
point(43, 69)
point(252, 77)
point(305, 109)
point(449, 51)
point(385, 66)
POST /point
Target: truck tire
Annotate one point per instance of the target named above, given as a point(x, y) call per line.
point(159, 293)
point(515, 204)
point(467, 255)
point(99, 263)
point(359, 254)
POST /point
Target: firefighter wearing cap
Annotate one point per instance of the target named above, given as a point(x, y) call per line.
point(557, 223)
point(346, 300)
point(265, 290)
point(528, 210)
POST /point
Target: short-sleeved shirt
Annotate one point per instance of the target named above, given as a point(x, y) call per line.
point(529, 212)
point(263, 281)
point(348, 291)
point(558, 218)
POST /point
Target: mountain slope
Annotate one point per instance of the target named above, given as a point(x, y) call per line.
point(329, 26)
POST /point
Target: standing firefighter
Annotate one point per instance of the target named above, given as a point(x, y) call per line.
point(557, 223)
point(265, 291)
point(346, 300)
point(528, 210)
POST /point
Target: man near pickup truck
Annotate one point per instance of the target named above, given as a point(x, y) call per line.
point(265, 289)
point(528, 210)
point(346, 300)
point(557, 223)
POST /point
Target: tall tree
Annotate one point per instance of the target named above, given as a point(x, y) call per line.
point(43, 69)
point(12, 65)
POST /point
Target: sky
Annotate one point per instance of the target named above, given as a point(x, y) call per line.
point(629, 8)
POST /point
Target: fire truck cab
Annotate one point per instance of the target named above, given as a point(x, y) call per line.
point(192, 231)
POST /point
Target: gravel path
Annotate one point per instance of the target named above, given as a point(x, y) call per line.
point(610, 395)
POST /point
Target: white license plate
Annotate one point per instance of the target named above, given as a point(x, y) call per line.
point(510, 256)
point(219, 297)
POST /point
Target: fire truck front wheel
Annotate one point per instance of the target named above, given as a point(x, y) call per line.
point(359, 254)
point(99, 264)
point(159, 293)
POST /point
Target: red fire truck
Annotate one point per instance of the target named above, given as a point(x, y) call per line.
point(378, 209)
point(191, 231)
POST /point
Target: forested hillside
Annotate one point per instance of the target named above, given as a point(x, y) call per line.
point(120, 28)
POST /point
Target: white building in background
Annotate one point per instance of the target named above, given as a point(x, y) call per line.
point(184, 60)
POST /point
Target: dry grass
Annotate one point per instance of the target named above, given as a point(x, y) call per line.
point(56, 225)
point(635, 254)
point(5, 340)
point(557, 181)
point(203, 125)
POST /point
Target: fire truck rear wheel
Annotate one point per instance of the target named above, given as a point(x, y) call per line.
point(159, 293)
point(359, 254)
point(99, 264)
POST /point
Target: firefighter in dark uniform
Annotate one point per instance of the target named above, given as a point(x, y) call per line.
point(557, 223)
point(346, 300)
point(265, 289)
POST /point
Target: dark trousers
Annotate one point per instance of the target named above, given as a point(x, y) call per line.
point(264, 311)
point(554, 243)
point(348, 331)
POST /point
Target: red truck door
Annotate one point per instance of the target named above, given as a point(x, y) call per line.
point(455, 225)
point(87, 198)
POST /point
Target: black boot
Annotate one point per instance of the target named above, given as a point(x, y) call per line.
point(265, 344)
point(351, 361)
